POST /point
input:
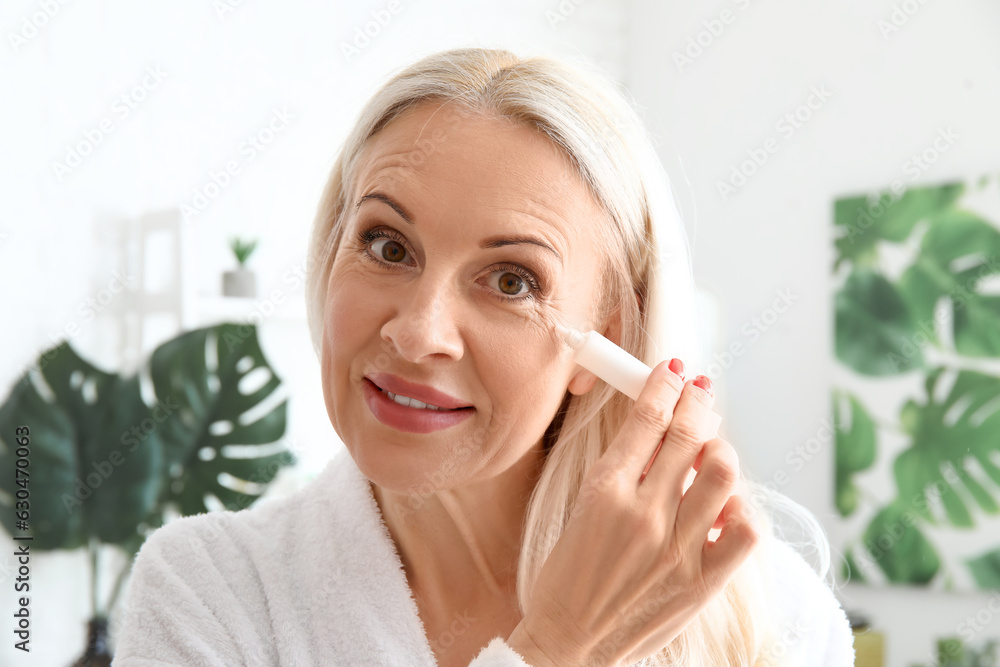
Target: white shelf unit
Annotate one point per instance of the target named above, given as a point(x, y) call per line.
point(256, 310)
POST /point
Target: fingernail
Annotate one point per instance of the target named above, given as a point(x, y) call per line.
point(677, 366)
point(702, 382)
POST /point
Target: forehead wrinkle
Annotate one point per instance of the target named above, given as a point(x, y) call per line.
point(380, 169)
point(555, 237)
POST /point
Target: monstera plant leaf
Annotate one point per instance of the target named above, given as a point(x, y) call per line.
point(214, 380)
point(855, 447)
point(896, 543)
point(985, 569)
point(862, 224)
point(945, 437)
point(958, 251)
point(874, 331)
point(104, 463)
point(83, 479)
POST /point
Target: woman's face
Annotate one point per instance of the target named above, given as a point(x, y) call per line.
point(435, 283)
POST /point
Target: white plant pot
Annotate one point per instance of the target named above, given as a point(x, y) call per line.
point(239, 283)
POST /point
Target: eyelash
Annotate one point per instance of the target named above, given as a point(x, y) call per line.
point(366, 237)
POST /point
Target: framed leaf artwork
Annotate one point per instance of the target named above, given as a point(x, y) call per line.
point(916, 384)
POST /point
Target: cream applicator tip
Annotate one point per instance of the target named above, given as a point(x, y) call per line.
point(572, 337)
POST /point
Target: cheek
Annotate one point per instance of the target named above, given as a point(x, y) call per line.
point(347, 321)
point(350, 301)
point(523, 370)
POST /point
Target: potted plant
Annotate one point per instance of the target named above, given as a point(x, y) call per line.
point(242, 281)
point(104, 468)
point(951, 652)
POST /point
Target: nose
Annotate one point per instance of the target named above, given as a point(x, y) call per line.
point(424, 326)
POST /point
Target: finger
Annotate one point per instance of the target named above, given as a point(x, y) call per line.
point(647, 421)
point(714, 430)
point(690, 427)
point(702, 504)
point(716, 420)
point(735, 542)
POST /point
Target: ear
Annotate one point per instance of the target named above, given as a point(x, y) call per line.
point(583, 380)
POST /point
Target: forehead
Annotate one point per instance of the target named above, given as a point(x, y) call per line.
point(435, 154)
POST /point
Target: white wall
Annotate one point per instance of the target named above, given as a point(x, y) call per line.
point(888, 96)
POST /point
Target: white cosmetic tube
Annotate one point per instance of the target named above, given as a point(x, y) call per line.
point(607, 361)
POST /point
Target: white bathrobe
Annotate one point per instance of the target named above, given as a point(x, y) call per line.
point(313, 578)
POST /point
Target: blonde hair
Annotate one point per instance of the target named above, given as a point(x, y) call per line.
point(647, 277)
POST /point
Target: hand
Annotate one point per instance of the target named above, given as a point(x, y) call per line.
point(634, 565)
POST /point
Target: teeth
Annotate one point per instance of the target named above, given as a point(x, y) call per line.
point(411, 402)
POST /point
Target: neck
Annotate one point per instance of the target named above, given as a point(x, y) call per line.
point(460, 546)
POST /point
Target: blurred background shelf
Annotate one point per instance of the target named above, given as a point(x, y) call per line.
point(259, 310)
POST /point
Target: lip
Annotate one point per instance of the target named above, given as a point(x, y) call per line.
point(421, 392)
point(405, 418)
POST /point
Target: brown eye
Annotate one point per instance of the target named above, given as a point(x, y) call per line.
point(393, 251)
point(511, 283)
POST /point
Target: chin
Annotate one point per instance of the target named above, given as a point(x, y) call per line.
point(398, 473)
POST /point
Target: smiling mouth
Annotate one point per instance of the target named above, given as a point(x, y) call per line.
point(414, 403)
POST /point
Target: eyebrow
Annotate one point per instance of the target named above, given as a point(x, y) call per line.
point(497, 242)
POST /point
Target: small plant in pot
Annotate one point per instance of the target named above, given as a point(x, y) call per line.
point(242, 281)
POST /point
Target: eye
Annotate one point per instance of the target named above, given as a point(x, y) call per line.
point(514, 282)
point(511, 281)
point(508, 282)
point(392, 251)
point(386, 245)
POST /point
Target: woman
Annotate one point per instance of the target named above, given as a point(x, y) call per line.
point(496, 504)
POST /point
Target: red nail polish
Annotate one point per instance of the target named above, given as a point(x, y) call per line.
point(705, 383)
point(677, 366)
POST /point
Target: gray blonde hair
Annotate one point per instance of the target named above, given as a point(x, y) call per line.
point(647, 277)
